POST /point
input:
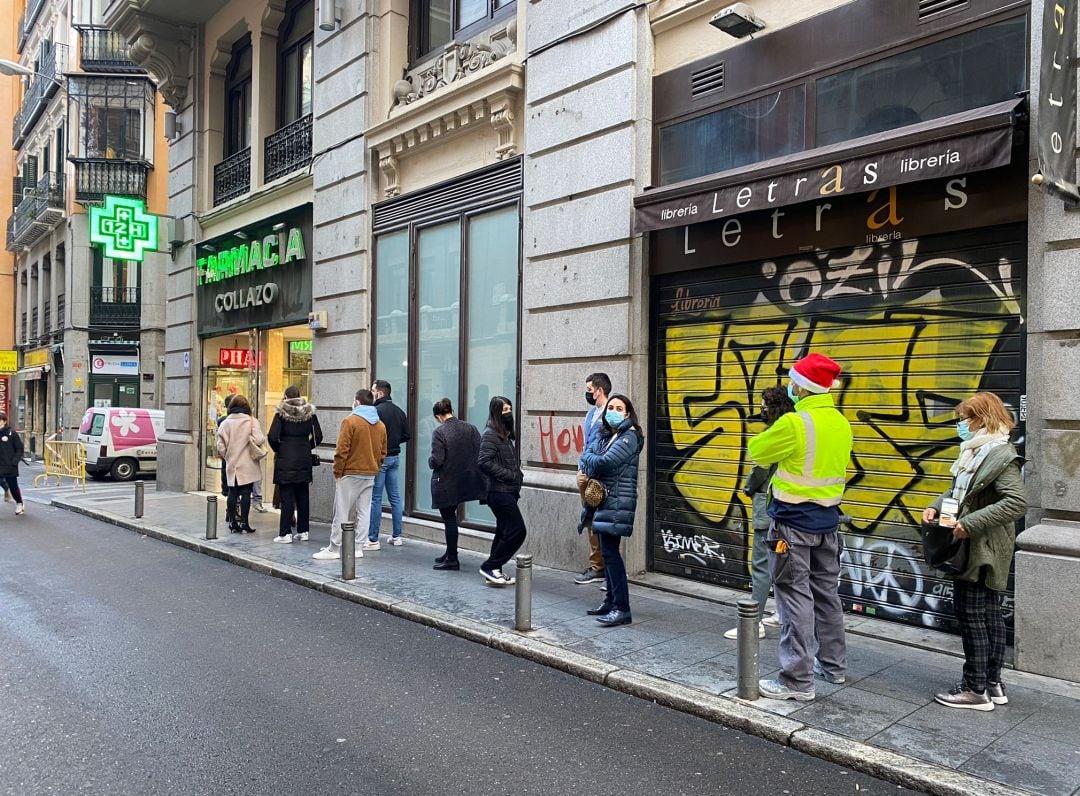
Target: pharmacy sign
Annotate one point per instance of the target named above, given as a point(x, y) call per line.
point(123, 228)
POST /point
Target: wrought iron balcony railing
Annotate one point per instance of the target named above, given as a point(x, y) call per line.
point(60, 307)
point(41, 88)
point(97, 177)
point(39, 211)
point(46, 326)
point(115, 306)
point(29, 17)
point(288, 149)
point(232, 177)
point(104, 50)
point(12, 246)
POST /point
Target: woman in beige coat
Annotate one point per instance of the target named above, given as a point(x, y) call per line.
point(239, 438)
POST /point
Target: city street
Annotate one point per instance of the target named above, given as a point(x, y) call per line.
point(132, 666)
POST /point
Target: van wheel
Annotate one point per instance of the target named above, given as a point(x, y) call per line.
point(124, 469)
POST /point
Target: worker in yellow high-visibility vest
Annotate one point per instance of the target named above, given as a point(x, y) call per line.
point(811, 448)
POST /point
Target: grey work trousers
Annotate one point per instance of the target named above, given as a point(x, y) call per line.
point(805, 581)
point(760, 578)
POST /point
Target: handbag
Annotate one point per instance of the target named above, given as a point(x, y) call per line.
point(257, 452)
point(595, 493)
point(315, 461)
point(942, 550)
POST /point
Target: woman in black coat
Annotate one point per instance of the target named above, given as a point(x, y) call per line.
point(455, 474)
point(498, 461)
point(294, 435)
point(11, 453)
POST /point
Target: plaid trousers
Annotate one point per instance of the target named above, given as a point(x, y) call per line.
point(982, 629)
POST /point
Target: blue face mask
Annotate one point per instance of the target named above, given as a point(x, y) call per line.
point(792, 394)
point(963, 429)
point(613, 418)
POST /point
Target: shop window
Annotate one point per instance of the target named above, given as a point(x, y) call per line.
point(967, 71)
point(238, 98)
point(753, 131)
point(296, 48)
point(436, 23)
point(113, 117)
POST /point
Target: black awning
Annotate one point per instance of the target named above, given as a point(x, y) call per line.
point(958, 144)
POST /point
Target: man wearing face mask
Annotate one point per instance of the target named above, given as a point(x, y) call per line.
point(597, 389)
point(811, 448)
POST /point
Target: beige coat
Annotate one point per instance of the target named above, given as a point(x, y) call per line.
point(234, 438)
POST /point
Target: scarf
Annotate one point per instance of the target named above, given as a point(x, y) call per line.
point(972, 453)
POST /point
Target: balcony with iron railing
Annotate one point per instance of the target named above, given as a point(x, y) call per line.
point(12, 246)
point(42, 86)
point(232, 177)
point(34, 324)
point(41, 209)
point(115, 306)
point(288, 149)
point(96, 178)
point(46, 327)
point(29, 17)
point(23, 327)
point(104, 50)
point(60, 307)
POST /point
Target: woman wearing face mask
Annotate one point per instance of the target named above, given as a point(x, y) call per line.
point(498, 461)
point(986, 499)
point(612, 458)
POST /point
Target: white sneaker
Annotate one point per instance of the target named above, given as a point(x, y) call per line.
point(772, 620)
point(19, 509)
point(370, 545)
point(328, 553)
point(259, 507)
point(395, 541)
point(286, 539)
point(302, 537)
point(734, 632)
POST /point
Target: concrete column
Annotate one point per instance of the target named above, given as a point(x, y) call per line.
point(263, 98)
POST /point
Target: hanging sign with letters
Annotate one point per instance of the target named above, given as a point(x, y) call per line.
point(1056, 112)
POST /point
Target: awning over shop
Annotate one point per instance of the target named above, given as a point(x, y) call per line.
point(32, 374)
point(958, 144)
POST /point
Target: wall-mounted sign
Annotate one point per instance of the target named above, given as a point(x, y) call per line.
point(235, 358)
point(36, 358)
point(299, 346)
point(9, 361)
point(123, 228)
point(1055, 136)
point(5, 385)
point(114, 365)
point(256, 277)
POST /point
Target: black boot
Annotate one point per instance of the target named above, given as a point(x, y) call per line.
point(447, 563)
point(600, 610)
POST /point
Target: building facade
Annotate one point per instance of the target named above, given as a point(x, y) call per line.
point(9, 357)
point(502, 197)
point(90, 327)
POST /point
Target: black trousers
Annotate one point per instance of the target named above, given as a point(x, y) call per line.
point(294, 498)
point(982, 630)
point(238, 504)
point(509, 529)
point(615, 572)
point(11, 484)
point(449, 518)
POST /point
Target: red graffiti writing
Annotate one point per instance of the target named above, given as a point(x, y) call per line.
point(560, 445)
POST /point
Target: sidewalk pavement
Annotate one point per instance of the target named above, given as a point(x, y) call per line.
point(882, 720)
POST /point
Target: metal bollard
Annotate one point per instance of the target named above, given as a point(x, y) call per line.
point(748, 649)
point(348, 551)
point(139, 496)
point(523, 593)
point(211, 517)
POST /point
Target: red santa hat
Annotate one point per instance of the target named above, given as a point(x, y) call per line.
point(816, 373)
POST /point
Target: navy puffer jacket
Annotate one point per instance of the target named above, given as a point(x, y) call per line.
point(614, 462)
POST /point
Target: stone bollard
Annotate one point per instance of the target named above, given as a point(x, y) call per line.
point(348, 551)
point(748, 649)
point(523, 593)
point(211, 517)
point(139, 499)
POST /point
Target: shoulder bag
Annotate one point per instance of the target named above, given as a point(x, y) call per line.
point(595, 493)
point(315, 461)
point(257, 452)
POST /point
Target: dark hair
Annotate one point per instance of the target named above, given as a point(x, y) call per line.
point(442, 407)
point(365, 397)
point(383, 387)
point(3, 417)
point(240, 404)
point(629, 408)
point(495, 410)
point(599, 380)
point(777, 403)
point(292, 391)
point(229, 399)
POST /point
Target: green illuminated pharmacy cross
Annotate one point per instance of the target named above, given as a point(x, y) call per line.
point(124, 228)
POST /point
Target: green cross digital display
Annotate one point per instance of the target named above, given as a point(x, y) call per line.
point(123, 228)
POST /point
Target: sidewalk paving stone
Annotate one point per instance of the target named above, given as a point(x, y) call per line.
point(1027, 761)
point(852, 712)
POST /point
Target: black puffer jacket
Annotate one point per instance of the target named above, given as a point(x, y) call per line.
point(454, 463)
point(11, 451)
point(294, 426)
point(499, 463)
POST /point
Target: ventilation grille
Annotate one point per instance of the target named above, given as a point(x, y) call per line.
point(931, 9)
point(471, 191)
point(707, 80)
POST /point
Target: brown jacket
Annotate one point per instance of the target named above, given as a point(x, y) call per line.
point(361, 446)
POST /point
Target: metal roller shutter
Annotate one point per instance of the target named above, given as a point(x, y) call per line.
point(918, 326)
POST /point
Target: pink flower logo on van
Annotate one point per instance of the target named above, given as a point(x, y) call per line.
point(132, 428)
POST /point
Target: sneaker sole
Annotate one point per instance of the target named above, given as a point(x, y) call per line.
point(795, 696)
point(494, 581)
point(984, 707)
point(587, 582)
point(1000, 700)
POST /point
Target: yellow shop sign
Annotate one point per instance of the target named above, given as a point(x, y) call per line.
point(9, 361)
point(36, 358)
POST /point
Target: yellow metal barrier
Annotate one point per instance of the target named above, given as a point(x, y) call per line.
point(64, 460)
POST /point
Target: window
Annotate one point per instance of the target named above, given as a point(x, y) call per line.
point(113, 116)
point(466, 274)
point(238, 98)
point(296, 48)
point(91, 12)
point(750, 132)
point(436, 23)
point(115, 281)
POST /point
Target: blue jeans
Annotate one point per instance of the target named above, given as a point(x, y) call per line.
point(387, 477)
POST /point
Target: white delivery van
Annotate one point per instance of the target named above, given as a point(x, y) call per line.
point(121, 441)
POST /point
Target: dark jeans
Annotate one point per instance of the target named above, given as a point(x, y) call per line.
point(11, 484)
point(982, 629)
point(294, 498)
point(449, 518)
point(615, 572)
point(509, 529)
point(238, 505)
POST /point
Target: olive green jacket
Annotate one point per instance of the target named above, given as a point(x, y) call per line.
point(995, 500)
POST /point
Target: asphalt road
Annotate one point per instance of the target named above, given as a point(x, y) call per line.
point(129, 666)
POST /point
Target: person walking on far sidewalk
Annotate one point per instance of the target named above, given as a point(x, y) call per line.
point(774, 404)
point(11, 453)
point(294, 435)
point(498, 460)
point(612, 459)
point(239, 437)
point(987, 498)
point(361, 449)
point(597, 388)
point(397, 434)
point(811, 448)
point(455, 474)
